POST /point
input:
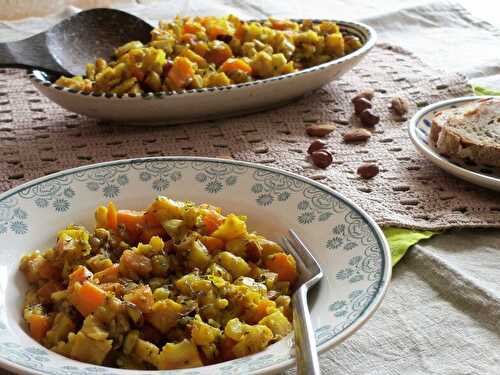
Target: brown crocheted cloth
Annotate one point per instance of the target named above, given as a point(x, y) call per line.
point(38, 138)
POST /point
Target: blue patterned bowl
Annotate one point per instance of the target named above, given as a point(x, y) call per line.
point(346, 241)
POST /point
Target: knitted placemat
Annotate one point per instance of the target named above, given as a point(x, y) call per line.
point(38, 138)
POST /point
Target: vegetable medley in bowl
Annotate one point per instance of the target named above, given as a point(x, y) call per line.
point(200, 52)
point(177, 285)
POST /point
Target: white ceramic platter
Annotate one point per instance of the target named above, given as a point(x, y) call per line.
point(419, 129)
point(207, 103)
point(347, 243)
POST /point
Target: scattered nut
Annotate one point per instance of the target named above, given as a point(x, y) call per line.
point(366, 93)
point(399, 105)
point(361, 104)
point(321, 158)
point(319, 130)
point(357, 135)
point(367, 171)
point(315, 146)
point(368, 118)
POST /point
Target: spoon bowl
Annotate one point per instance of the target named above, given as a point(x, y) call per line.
point(66, 47)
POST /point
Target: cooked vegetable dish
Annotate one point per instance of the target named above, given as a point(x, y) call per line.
point(175, 286)
point(192, 53)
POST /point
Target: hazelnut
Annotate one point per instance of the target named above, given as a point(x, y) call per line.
point(315, 146)
point(366, 93)
point(368, 118)
point(368, 171)
point(361, 104)
point(321, 158)
point(399, 105)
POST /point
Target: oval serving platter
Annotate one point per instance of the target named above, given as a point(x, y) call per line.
point(347, 243)
point(207, 103)
point(419, 129)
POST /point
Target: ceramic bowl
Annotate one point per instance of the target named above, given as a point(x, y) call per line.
point(207, 103)
point(419, 129)
point(347, 243)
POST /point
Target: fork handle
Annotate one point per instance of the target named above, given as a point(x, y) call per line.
point(305, 343)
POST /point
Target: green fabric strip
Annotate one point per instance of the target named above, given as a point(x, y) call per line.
point(478, 90)
point(401, 239)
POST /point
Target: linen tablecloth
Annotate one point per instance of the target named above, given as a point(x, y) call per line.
point(441, 310)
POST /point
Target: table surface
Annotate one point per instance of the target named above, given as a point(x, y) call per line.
point(441, 311)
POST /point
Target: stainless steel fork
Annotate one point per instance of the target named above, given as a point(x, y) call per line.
point(309, 274)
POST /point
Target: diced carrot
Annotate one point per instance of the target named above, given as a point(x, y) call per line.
point(188, 38)
point(48, 271)
point(133, 222)
point(87, 298)
point(108, 275)
point(226, 348)
point(212, 220)
point(255, 315)
point(137, 73)
point(281, 24)
point(149, 232)
point(150, 219)
point(240, 32)
point(130, 218)
point(219, 55)
point(112, 216)
point(190, 28)
point(204, 20)
point(142, 297)
point(39, 325)
point(48, 288)
point(80, 274)
point(214, 30)
point(181, 72)
point(231, 65)
point(284, 265)
point(212, 243)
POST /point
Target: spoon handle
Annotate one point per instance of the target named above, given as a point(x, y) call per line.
point(8, 59)
point(28, 53)
point(305, 344)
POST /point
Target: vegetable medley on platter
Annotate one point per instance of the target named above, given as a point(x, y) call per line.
point(199, 52)
point(177, 285)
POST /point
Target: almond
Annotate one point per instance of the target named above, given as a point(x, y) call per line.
point(319, 130)
point(357, 135)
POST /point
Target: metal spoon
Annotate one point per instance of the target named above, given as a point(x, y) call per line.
point(66, 47)
point(309, 274)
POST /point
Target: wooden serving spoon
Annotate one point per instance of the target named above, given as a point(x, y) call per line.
point(66, 47)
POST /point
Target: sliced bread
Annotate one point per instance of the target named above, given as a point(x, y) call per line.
point(469, 132)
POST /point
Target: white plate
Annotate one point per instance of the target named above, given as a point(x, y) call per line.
point(207, 103)
point(348, 244)
point(419, 129)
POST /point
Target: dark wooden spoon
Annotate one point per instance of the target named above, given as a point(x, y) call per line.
point(80, 39)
